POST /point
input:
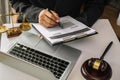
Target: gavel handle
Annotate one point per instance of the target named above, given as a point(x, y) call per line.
point(106, 50)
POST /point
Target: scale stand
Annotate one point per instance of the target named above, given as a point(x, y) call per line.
point(14, 31)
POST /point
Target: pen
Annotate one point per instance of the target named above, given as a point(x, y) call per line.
point(59, 24)
point(108, 47)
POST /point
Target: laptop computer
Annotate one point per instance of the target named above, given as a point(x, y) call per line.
point(36, 57)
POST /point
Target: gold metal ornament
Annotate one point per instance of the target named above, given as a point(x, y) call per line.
point(14, 31)
point(96, 64)
point(2, 27)
point(25, 26)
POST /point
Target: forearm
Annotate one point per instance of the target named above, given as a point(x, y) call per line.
point(25, 7)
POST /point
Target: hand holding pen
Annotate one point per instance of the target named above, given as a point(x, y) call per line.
point(49, 18)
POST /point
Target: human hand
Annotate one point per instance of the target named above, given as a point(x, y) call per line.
point(48, 18)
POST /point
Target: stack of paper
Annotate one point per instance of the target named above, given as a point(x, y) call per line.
point(72, 29)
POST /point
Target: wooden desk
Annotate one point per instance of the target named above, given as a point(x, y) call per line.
point(92, 46)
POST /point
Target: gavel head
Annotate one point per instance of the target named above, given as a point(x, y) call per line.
point(97, 64)
point(96, 69)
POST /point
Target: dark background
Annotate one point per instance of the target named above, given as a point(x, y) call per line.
point(115, 4)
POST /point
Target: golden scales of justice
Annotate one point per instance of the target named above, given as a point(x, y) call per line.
point(14, 31)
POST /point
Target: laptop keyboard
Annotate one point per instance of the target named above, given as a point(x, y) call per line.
point(55, 65)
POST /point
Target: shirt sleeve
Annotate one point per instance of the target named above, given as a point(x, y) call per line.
point(25, 7)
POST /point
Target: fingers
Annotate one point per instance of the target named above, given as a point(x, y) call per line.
point(46, 23)
point(56, 16)
point(48, 18)
point(40, 36)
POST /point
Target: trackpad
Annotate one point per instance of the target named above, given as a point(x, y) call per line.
point(69, 53)
point(40, 44)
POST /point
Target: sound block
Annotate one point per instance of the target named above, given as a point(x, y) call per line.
point(89, 73)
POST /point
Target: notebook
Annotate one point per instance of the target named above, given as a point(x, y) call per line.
point(36, 57)
point(72, 29)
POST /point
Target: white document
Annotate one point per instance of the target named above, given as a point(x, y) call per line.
point(72, 29)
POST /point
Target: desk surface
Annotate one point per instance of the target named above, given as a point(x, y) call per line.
point(92, 46)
